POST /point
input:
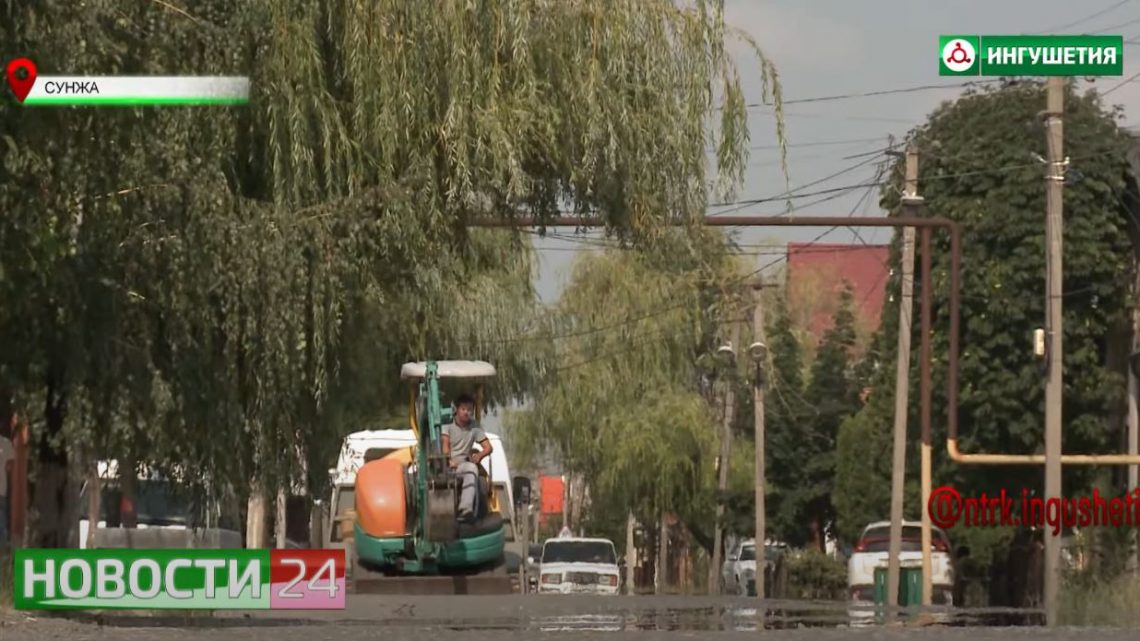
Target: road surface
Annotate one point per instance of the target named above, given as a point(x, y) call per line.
point(520, 618)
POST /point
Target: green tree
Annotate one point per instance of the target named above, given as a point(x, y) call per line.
point(802, 425)
point(786, 412)
point(232, 290)
point(834, 397)
point(627, 407)
point(977, 168)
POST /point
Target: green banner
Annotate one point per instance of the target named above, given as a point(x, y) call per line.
point(67, 579)
point(1030, 55)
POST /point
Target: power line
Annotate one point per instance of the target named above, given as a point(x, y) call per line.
point(1084, 19)
point(870, 94)
point(880, 183)
point(801, 187)
point(814, 143)
point(1116, 26)
point(762, 268)
point(1121, 83)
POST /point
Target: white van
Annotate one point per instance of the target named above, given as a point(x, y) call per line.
point(361, 447)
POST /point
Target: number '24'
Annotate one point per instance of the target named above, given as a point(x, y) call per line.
point(328, 568)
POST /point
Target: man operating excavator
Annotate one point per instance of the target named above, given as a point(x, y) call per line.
point(459, 440)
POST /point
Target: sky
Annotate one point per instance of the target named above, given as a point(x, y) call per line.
point(824, 48)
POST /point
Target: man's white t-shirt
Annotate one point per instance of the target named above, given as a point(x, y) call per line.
point(7, 453)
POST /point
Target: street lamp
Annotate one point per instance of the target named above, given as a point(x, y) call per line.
point(758, 351)
point(726, 352)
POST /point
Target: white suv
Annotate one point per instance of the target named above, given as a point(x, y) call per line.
point(872, 552)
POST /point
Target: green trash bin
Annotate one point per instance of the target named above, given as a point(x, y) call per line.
point(910, 586)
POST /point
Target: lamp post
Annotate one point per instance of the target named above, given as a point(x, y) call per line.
point(758, 351)
point(726, 354)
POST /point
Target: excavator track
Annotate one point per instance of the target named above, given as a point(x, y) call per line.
point(491, 580)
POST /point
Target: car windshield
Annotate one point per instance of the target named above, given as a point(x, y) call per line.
point(579, 552)
point(748, 553)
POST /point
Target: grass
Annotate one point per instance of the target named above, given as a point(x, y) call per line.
point(1102, 603)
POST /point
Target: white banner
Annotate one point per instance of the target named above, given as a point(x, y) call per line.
point(156, 90)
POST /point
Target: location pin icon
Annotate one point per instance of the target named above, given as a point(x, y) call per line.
point(21, 77)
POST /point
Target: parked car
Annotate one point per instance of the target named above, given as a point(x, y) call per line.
point(738, 572)
point(578, 565)
point(872, 551)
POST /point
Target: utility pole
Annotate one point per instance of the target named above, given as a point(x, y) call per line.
point(910, 200)
point(1134, 405)
point(759, 353)
point(729, 416)
point(1134, 415)
point(1054, 114)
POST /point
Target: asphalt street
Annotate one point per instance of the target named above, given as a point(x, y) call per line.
point(507, 618)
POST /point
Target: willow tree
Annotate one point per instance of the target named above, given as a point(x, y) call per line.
point(233, 289)
point(627, 407)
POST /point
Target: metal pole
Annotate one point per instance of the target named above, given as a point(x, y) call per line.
point(760, 355)
point(902, 380)
point(722, 466)
point(924, 364)
point(1053, 331)
point(525, 553)
point(630, 555)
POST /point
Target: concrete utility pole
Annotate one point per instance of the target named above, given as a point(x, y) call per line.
point(1055, 105)
point(910, 201)
point(1134, 414)
point(1134, 404)
point(759, 353)
point(722, 464)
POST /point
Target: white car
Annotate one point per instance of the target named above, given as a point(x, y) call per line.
point(738, 574)
point(872, 551)
point(578, 565)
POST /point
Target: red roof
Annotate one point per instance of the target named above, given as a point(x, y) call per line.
point(816, 275)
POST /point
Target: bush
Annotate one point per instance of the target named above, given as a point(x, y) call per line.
point(1086, 601)
point(816, 576)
